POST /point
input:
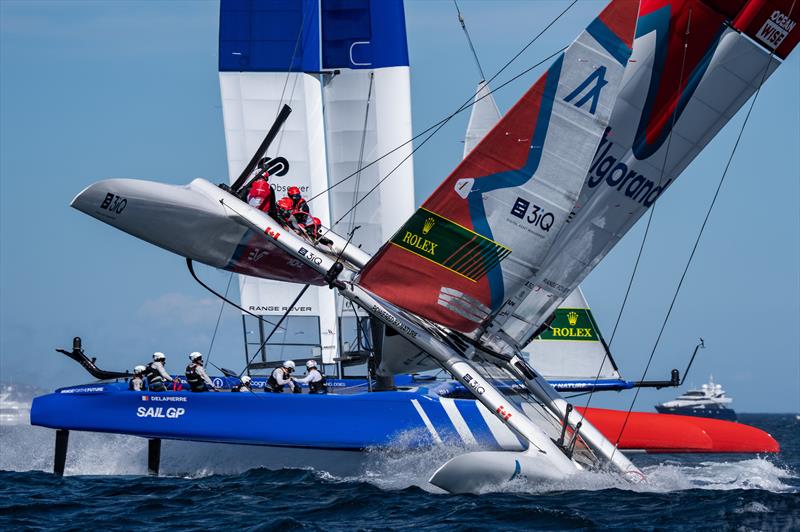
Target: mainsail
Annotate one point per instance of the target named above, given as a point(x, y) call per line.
point(514, 230)
point(343, 69)
point(571, 352)
point(694, 64)
point(472, 247)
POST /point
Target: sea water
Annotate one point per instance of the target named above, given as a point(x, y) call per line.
point(207, 486)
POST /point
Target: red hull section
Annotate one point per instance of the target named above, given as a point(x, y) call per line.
point(668, 433)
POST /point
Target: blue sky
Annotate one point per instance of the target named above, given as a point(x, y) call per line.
point(90, 90)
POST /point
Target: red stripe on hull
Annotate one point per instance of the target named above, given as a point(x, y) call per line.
point(669, 433)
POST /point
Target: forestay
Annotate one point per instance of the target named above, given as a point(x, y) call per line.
point(468, 253)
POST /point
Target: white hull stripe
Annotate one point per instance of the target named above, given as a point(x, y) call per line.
point(427, 421)
point(458, 421)
point(504, 436)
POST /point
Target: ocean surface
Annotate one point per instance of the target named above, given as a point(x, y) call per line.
point(207, 487)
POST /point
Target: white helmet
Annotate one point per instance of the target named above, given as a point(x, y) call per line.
point(311, 364)
point(288, 364)
point(246, 379)
point(158, 355)
point(138, 369)
point(195, 356)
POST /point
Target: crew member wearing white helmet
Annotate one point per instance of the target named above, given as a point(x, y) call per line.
point(196, 375)
point(156, 374)
point(245, 386)
point(281, 377)
point(136, 383)
point(314, 379)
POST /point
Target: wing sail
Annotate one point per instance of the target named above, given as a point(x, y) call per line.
point(636, 162)
point(466, 255)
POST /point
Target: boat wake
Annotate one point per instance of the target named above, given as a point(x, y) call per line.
point(26, 448)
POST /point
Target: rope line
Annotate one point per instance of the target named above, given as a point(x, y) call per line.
point(696, 244)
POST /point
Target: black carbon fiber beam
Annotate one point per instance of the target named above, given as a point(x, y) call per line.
point(153, 456)
point(60, 459)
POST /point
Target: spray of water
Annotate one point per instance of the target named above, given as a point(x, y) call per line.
point(402, 465)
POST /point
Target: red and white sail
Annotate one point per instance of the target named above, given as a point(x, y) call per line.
point(467, 255)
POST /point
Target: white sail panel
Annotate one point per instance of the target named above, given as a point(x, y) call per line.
point(482, 117)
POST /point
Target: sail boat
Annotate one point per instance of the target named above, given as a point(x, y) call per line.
point(480, 216)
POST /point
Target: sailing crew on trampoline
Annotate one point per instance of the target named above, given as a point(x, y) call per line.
point(262, 196)
point(285, 212)
point(156, 374)
point(196, 375)
point(314, 379)
point(281, 377)
point(299, 205)
point(137, 383)
point(245, 386)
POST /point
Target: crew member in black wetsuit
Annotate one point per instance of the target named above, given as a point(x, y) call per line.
point(156, 374)
point(282, 377)
point(314, 378)
point(196, 375)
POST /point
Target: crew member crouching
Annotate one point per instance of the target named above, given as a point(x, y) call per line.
point(281, 377)
point(155, 373)
point(245, 386)
point(314, 379)
point(137, 383)
point(196, 375)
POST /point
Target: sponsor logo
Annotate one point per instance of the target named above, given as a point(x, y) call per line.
point(505, 414)
point(394, 322)
point(449, 245)
point(84, 390)
point(310, 256)
point(428, 225)
point(423, 244)
point(616, 174)
point(113, 203)
point(275, 308)
point(533, 214)
point(256, 255)
point(163, 398)
point(160, 412)
point(271, 232)
point(592, 94)
point(473, 383)
point(775, 29)
point(565, 326)
point(572, 318)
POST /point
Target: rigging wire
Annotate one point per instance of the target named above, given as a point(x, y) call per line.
point(219, 317)
point(190, 265)
point(436, 127)
point(466, 105)
point(275, 328)
point(361, 150)
point(696, 243)
point(469, 40)
point(649, 216)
